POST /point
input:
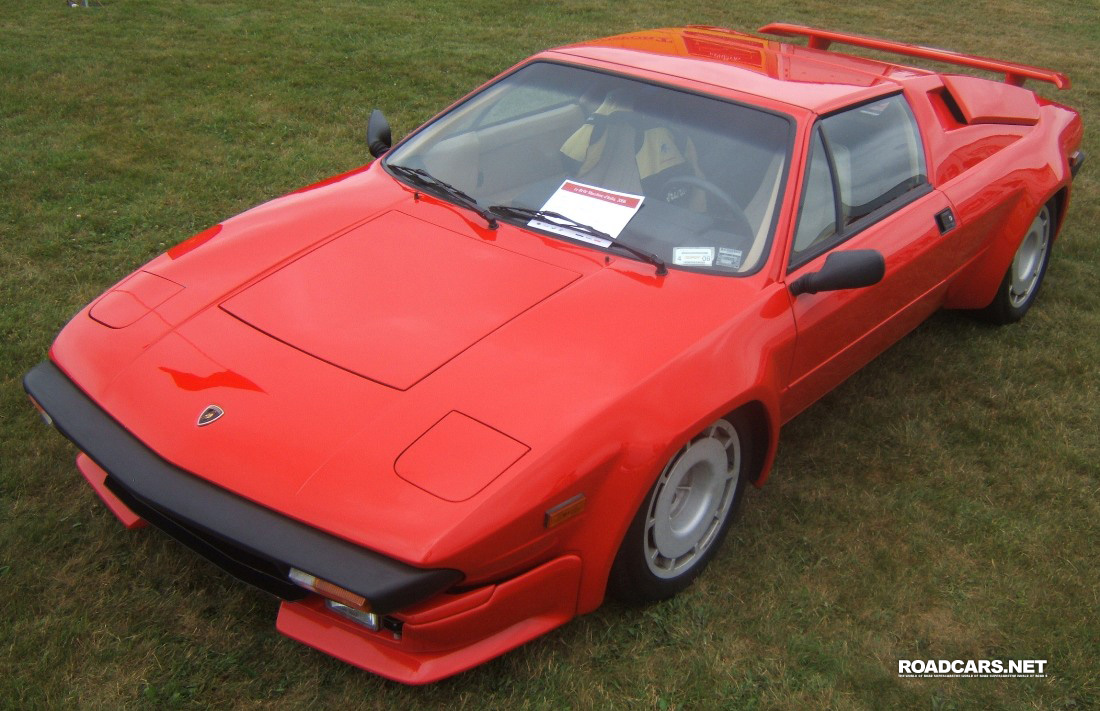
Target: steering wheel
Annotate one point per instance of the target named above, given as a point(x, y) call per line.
point(742, 222)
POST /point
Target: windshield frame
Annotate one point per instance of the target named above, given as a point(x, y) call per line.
point(781, 197)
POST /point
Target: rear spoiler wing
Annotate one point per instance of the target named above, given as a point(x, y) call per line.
point(1015, 74)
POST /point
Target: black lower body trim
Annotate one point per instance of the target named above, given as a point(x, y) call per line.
point(267, 575)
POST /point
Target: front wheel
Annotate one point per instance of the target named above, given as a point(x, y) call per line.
point(679, 526)
point(1021, 282)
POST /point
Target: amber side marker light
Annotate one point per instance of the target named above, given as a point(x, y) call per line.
point(564, 511)
point(41, 413)
point(330, 590)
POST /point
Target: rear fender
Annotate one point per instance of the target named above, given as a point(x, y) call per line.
point(976, 284)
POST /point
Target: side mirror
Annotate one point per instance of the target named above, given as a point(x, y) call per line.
point(378, 134)
point(849, 269)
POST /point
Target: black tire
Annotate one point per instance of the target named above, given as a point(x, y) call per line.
point(1024, 276)
point(675, 534)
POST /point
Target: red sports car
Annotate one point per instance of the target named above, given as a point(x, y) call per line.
point(536, 353)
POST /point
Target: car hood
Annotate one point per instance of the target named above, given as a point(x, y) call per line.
point(395, 298)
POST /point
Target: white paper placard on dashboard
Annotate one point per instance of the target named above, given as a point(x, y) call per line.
point(606, 210)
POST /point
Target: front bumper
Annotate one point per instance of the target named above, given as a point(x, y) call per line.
point(244, 538)
point(431, 634)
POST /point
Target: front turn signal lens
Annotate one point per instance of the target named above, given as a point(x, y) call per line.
point(332, 591)
point(41, 412)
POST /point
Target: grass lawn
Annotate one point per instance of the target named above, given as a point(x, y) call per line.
point(941, 504)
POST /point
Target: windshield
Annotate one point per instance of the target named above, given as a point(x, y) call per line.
point(689, 178)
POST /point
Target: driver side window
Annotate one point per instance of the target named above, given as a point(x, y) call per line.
point(865, 162)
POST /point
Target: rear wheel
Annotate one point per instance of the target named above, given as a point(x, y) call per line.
point(679, 526)
point(1021, 282)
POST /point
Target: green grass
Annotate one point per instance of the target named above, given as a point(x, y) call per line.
point(941, 504)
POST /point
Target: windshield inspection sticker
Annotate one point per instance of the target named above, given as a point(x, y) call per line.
point(606, 210)
point(729, 258)
point(693, 256)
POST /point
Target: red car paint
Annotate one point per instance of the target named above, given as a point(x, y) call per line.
point(401, 376)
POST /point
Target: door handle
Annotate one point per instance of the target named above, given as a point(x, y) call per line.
point(945, 219)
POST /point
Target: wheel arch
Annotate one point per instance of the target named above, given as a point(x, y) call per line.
point(763, 422)
point(627, 578)
point(976, 285)
point(1059, 203)
point(763, 429)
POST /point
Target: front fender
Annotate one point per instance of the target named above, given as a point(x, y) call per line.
point(740, 369)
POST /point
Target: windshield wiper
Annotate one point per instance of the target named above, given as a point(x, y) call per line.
point(424, 179)
point(556, 218)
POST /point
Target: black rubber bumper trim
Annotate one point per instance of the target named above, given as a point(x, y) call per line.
point(264, 573)
point(203, 516)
